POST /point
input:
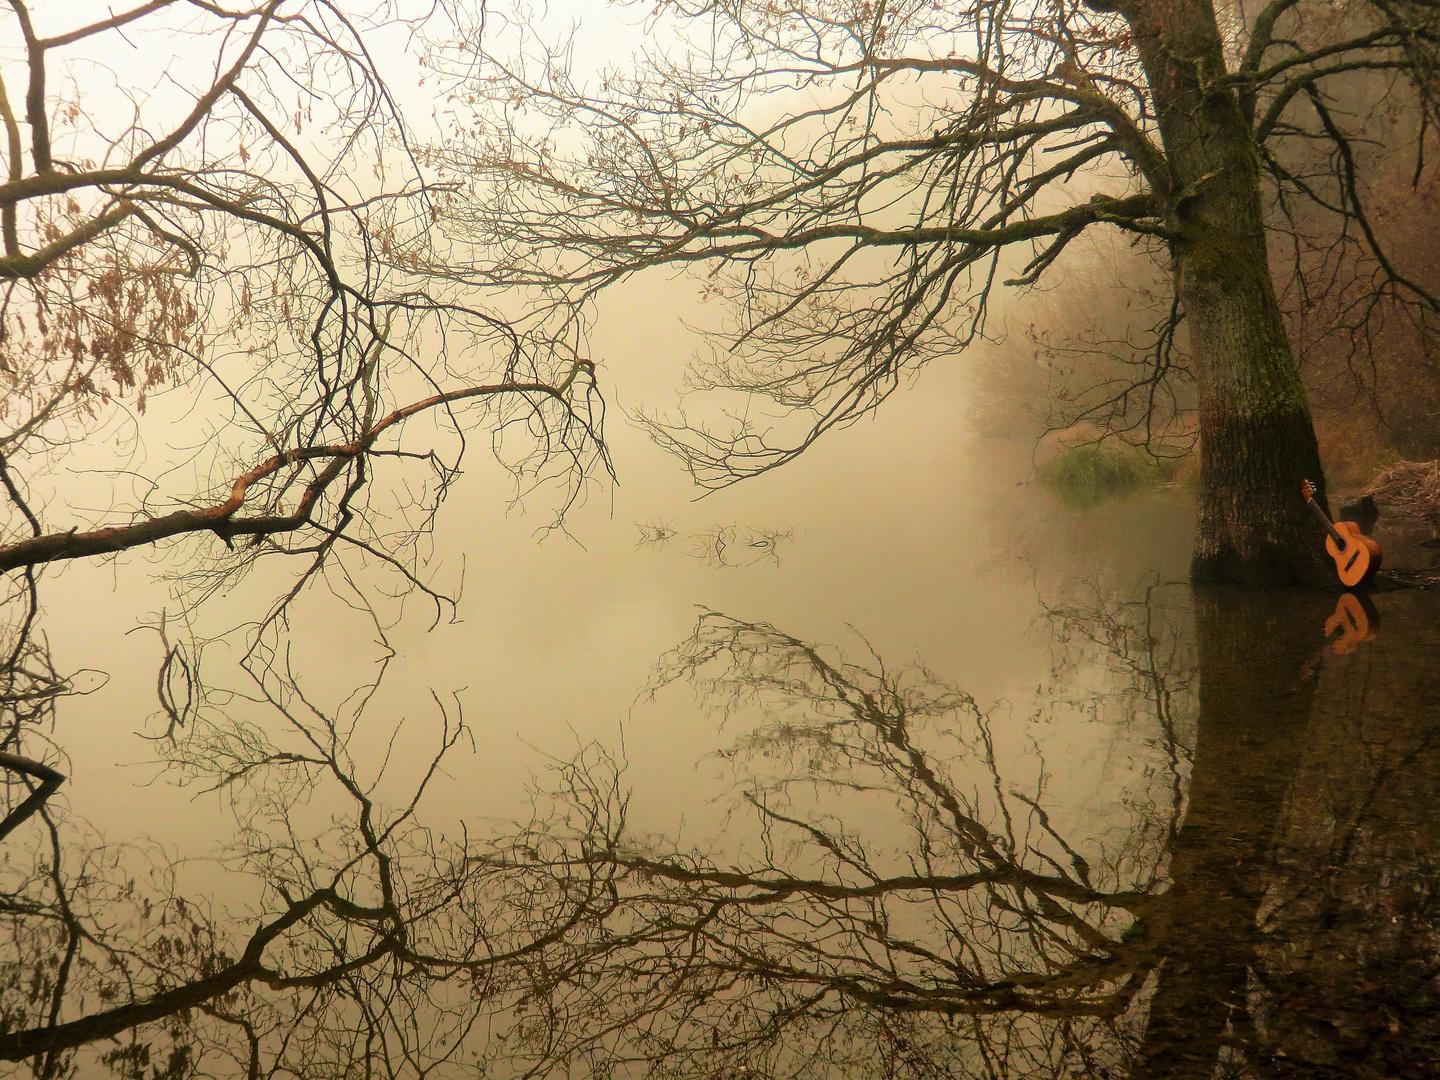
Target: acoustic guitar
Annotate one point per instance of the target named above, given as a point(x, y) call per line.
point(1356, 556)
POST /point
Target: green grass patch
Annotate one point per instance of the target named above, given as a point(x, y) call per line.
point(1081, 476)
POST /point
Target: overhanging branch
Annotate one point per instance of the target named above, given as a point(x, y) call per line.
point(54, 547)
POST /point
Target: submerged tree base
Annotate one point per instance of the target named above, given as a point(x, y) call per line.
point(1254, 526)
point(1268, 567)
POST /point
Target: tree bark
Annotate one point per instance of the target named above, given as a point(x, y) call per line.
point(1257, 441)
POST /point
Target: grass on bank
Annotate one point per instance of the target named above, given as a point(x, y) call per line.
point(1080, 476)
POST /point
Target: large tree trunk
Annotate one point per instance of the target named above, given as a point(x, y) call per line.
point(1256, 438)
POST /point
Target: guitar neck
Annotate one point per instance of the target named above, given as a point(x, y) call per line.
point(1324, 520)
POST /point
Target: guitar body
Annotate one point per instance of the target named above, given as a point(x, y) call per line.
point(1358, 558)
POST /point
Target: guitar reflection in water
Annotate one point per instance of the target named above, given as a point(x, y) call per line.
point(1352, 617)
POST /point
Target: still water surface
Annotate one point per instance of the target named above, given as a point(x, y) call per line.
point(1139, 829)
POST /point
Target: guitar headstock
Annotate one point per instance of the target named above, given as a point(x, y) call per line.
point(1307, 490)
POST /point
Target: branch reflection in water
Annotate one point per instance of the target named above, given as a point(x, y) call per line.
point(909, 885)
point(370, 944)
point(907, 902)
point(903, 905)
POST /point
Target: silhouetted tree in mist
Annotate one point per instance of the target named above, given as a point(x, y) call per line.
point(855, 178)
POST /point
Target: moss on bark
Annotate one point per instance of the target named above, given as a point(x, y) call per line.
point(1256, 436)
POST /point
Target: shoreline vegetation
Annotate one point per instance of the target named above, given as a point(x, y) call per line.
point(1082, 476)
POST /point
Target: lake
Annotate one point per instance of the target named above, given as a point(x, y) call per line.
point(884, 765)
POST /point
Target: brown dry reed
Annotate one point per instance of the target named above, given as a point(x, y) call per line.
point(1409, 490)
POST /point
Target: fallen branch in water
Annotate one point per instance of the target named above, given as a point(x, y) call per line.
point(49, 779)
